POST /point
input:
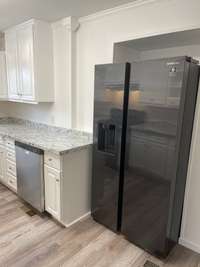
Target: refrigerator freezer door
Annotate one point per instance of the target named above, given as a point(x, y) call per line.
point(110, 87)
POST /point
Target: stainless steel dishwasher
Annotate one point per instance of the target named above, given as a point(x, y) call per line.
point(30, 174)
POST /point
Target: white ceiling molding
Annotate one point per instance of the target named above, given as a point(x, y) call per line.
point(109, 11)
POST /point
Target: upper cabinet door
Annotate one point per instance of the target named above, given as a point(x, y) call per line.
point(12, 67)
point(29, 55)
point(3, 79)
point(25, 62)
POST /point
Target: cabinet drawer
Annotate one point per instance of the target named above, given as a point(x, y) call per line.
point(10, 144)
point(10, 155)
point(52, 161)
point(11, 168)
point(12, 182)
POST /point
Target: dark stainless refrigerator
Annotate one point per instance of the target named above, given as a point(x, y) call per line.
point(143, 120)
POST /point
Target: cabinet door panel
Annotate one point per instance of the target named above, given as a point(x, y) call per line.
point(25, 59)
point(3, 80)
point(2, 165)
point(12, 67)
point(52, 191)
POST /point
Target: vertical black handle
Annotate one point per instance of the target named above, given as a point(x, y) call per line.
point(111, 137)
point(101, 136)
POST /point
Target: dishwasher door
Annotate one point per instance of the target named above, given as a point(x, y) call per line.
point(30, 174)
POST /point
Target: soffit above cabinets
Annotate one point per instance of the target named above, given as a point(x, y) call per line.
point(175, 39)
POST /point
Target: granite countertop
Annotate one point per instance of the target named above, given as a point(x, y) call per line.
point(48, 138)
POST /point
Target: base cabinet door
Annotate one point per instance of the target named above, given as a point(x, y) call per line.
point(52, 191)
point(2, 164)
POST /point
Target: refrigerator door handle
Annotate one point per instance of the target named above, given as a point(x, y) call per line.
point(111, 137)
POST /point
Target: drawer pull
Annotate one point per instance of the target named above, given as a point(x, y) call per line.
point(10, 168)
point(50, 159)
point(57, 180)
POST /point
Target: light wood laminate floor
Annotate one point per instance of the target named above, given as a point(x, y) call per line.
point(39, 241)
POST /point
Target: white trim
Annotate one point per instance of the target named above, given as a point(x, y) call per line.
point(71, 23)
point(85, 216)
point(57, 24)
point(116, 9)
point(189, 244)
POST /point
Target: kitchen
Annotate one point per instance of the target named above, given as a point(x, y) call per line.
point(70, 60)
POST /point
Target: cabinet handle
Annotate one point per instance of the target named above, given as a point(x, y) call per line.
point(50, 159)
point(57, 180)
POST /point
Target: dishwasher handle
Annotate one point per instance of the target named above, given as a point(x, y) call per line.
point(30, 148)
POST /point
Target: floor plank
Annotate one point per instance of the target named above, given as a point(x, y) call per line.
point(38, 241)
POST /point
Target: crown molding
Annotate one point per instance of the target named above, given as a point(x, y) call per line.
point(134, 4)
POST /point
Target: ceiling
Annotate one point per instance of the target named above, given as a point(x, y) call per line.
point(16, 11)
point(183, 38)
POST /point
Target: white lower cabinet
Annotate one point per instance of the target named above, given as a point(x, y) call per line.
point(2, 164)
point(67, 185)
point(8, 174)
point(12, 182)
point(52, 191)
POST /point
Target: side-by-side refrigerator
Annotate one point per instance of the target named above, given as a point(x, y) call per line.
point(143, 121)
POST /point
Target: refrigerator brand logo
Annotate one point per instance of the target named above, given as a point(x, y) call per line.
point(172, 63)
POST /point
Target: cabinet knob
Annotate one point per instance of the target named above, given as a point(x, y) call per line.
point(50, 159)
point(57, 180)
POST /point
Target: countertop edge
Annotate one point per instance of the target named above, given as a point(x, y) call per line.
point(56, 152)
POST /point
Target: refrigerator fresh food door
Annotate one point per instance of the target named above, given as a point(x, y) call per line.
point(152, 189)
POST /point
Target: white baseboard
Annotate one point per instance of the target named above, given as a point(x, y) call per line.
point(85, 216)
point(189, 244)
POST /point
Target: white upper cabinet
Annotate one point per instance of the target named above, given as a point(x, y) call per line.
point(29, 58)
point(25, 63)
point(11, 64)
point(3, 80)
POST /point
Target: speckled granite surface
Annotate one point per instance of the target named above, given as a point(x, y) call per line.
point(49, 138)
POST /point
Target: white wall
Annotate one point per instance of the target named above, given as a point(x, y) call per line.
point(56, 113)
